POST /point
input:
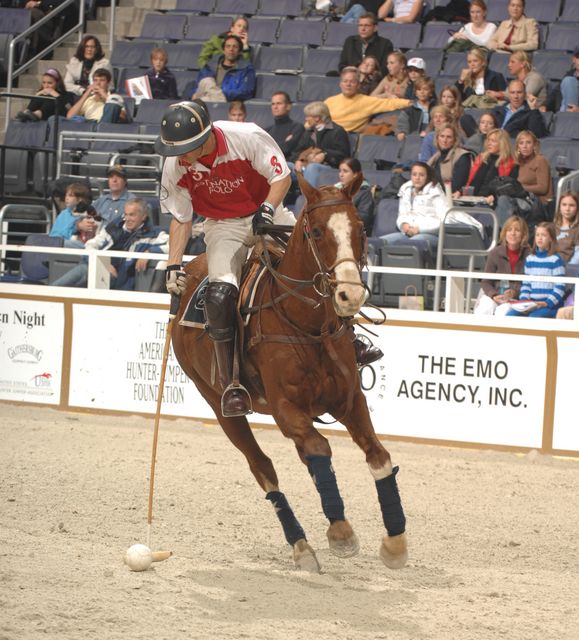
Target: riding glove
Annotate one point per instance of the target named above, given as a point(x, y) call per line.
point(175, 279)
point(264, 215)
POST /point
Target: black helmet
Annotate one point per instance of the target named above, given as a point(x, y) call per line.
point(185, 127)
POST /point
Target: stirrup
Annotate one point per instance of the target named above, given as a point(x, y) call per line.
point(238, 399)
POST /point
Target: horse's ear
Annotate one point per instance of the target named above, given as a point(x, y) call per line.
point(311, 193)
point(352, 189)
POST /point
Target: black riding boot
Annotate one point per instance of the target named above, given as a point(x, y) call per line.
point(220, 314)
point(366, 352)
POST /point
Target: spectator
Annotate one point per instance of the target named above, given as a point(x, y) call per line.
point(416, 68)
point(518, 33)
point(567, 226)
point(520, 68)
point(237, 111)
point(570, 86)
point(451, 99)
point(227, 77)
point(403, 11)
point(476, 142)
point(534, 177)
point(357, 8)
point(477, 79)
point(162, 82)
point(42, 109)
point(351, 109)
point(98, 103)
point(416, 118)
point(498, 159)
point(366, 43)
point(89, 57)
point(439, 116)
point(112, 205)
point(131, 232)
point(323, 143)
point(476, 33)
point(285, 131)
point(370, 74)
point(517, 116)
point(507, 257)
point(543, 261)
point(43, 35)
point(70, 224)
point(214, 46)
point(350, 168)
point(451, 163)
point(394, 84)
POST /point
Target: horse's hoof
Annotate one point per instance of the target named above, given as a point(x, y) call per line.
point(345, 548)
point(305, 557)
point(394, 551)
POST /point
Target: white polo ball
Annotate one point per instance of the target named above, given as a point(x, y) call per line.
point(138, 557)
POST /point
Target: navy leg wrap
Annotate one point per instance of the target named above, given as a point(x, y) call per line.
point(291, 527)
point(320, 468)
point(389, 499)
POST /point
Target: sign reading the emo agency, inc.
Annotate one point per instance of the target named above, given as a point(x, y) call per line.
point(31, 339)
point(467, 386)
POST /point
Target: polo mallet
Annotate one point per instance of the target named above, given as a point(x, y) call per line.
point(139, 557)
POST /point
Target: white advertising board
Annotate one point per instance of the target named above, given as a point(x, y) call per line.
point(566, 429)
point(467, 386)
point(117, 353)
point(31, 339)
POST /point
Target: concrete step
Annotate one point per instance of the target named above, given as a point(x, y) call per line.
point(63, 54)
point(151, 5)
point(123, 14)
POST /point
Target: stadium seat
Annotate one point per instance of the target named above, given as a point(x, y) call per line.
point(561, 37)
point(321, 60)
point(183, 55)
point(218, 110)
point(570, 12)
point(202, 27)
point(268, 84)
point(282, 8)
point(499, 62)
point(260, 113)
point(436, 34)
point(553, 148)
point(462, 237)
point(337, 32)
point(543, 11)
point(390, 287)
point(402, 36)
point(112, 145)
point(566, 125)
point(279, 57)
point(264, 30)
point(151, 111)
point(13, 20)
point(383, 149)
point(195, 6)
point(318, 88)
point(497, 11)
point(164, 27)
point(237, 7)
point(305, 32)
point(377, 178)
point(455, 63)
point(442, 80)
point(34, 266)
point(552, 64)
point(410, 148)
point(132, 53)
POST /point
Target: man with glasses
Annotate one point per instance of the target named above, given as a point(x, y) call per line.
point(366, 43)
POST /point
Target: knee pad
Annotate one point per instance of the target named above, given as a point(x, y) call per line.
point(220, 310)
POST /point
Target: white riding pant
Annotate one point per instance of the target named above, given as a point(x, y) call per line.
point(229, 242)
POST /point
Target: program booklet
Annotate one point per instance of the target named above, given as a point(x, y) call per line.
point(138, 88)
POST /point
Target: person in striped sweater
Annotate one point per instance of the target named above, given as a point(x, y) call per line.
point(543, 261)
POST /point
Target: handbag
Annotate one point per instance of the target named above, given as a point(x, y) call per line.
point(410, 302)
point(507, 186)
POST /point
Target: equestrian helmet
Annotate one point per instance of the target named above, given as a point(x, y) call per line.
point(185, 127)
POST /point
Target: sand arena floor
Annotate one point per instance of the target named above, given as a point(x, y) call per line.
point(494, 548)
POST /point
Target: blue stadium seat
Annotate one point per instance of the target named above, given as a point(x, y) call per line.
point(237, 7)
point(499, 62)
point(402, 36)
point(115, 146)
point(264, 30)
point(411, 148)
point(378, 148)
point(566, 125)
point(442, 80)
point(455, 63)
point(183, 55)
point(218, 110)
point(279, 57)
point(436, 34)
point(497, 11)
point(65, 125)
point(378, 178)
point(305, 32)
point(543, 11)
point(282, 8)
point(195, 6)
point(328, 175)
point(319, 87)
point(268, 84)
point(570, 12)
point(552, 64)
point(260, 113)
point(164, 27)
point(385, 215)
point(553, 147)
point(132, 53)
point(13, 20)
point(321, 60)
point(202, 27)
point(151, 111)
point(561, 37)
point(34, 266)
point(337, 32)
point(354, 138)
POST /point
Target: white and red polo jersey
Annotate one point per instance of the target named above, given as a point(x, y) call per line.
point(247, 161)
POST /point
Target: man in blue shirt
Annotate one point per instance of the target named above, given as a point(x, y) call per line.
point(516, 116)
point(112, 205)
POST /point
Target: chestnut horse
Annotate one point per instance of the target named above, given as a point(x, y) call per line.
point(299, 343)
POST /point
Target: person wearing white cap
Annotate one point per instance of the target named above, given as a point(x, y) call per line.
point(416, 68)
point(403, 11)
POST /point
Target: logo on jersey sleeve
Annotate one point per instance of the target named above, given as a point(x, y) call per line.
point(276, 164)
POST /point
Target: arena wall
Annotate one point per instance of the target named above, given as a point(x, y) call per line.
point(445, 378)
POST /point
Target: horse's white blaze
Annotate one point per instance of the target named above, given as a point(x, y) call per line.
point(349, 296)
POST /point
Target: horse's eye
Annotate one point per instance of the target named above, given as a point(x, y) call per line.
point(317, 233)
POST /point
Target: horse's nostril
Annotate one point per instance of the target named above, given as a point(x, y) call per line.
point(343, 296)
